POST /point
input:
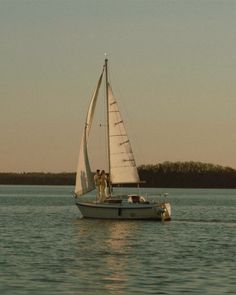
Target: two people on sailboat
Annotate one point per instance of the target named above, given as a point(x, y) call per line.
point(102, 183)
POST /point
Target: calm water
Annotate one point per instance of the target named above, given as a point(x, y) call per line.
point(46, 248)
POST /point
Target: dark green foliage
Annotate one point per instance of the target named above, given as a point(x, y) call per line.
point(188, 175)
point(38, 178)
point(167, 174)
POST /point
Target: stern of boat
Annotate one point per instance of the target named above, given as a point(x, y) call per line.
point(166, 215)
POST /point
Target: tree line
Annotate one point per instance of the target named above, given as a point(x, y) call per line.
point(188, 175)
point(37, 178)
point(167, 174)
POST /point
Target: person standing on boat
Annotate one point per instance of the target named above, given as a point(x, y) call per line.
point(97, 177)
point(108, 185)
point(103, 184)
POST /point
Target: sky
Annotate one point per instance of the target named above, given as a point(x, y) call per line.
point(172, 66)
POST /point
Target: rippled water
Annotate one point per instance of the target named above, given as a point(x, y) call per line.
point(46, 248)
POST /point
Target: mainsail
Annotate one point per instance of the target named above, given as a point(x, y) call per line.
point(122, 164)
point(84, 176)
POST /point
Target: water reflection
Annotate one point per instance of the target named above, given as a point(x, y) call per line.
point(109, 244)
point(117, 243)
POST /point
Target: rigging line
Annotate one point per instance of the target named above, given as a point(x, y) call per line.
point(120, 153)
point(121, 121)
point(116, 135)
point(122, 166)
point(124, 142)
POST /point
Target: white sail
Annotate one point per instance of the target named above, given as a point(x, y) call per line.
point(84, 176)
point(122, 164)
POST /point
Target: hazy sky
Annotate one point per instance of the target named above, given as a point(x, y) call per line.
point(172, 66)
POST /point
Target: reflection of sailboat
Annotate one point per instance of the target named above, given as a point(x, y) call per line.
point(121, 166)
point(118, 242)
point(112, 246)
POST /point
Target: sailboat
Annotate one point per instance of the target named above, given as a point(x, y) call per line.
point(122, 169)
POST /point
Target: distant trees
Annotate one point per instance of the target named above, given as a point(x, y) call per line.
point(188, 174)
point(167, 174)
point(38, 178)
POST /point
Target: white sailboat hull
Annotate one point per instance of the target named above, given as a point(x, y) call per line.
point(160, 212)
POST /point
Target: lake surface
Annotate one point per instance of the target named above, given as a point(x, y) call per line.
point(47, 248)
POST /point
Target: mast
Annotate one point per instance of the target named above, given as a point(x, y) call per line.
point(108, 127)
